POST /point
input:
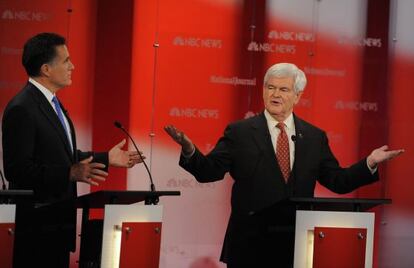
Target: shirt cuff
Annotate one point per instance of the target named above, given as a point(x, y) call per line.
point(188, 156)
point(372, 170)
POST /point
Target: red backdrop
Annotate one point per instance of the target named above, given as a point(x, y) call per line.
point(200, 64)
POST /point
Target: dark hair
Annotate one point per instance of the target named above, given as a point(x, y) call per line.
point(40, 49)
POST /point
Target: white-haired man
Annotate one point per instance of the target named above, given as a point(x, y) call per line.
point(272, 156)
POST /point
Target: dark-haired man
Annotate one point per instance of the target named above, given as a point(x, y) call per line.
point(40, 153)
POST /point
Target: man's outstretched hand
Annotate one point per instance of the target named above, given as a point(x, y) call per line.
point(382, 154)
point(179, 137)
point(121, 158)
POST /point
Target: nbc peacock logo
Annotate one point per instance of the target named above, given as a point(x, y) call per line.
point(7, 15)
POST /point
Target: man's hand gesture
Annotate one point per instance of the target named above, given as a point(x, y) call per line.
point(121, 158)
point(382, 154)
point(179, 137)
point(88, 172)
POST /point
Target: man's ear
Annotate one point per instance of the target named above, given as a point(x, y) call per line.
point(45, 70)
point(298, 95)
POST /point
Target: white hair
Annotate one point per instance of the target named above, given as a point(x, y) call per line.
point(287, 70)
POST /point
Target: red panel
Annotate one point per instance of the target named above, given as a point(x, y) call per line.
point(350, 253)
point(6, 244)
point(112, 85)
point(112, 82)
point(140, 244)
point(182, 84)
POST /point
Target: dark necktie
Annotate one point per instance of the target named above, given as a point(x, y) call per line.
point(282, 152)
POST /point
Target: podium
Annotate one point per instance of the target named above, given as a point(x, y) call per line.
point(334, 232)
point(8, 200)
point(129, 235)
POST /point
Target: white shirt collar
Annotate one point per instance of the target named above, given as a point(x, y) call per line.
point(271, 122)
point(48, 94)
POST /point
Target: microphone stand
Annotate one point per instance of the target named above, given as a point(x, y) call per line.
point(3, 181)
point(153, 200)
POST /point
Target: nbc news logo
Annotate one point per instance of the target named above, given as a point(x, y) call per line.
point(24, 15)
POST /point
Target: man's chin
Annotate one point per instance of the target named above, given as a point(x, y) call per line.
point(277, 114)
point(65, 84)
point(276, 111)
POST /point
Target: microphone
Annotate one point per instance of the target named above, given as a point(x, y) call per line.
point(154, 200)
point(294, 138)
point(3, 181)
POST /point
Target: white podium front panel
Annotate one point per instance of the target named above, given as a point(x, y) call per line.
point(307, 220)
point(114, 216)
point(7, 213)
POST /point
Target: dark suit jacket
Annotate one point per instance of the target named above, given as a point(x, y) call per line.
point(37, 156)
point(246, 151)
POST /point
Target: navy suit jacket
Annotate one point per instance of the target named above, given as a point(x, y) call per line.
point(246, 152)
point(37, 156)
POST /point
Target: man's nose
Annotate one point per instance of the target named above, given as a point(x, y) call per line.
point(276, 92)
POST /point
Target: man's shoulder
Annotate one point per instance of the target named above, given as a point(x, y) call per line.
point(248, 122)
point(303, 125)
point(25, 98)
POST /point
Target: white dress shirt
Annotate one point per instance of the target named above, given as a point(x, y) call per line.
point(49, 96)
point(275, 131)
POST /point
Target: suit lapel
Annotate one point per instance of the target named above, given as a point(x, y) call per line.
point(72, 128)
point(52, 117)
point(264, 142)
point(300, 145)
point(262, 136)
